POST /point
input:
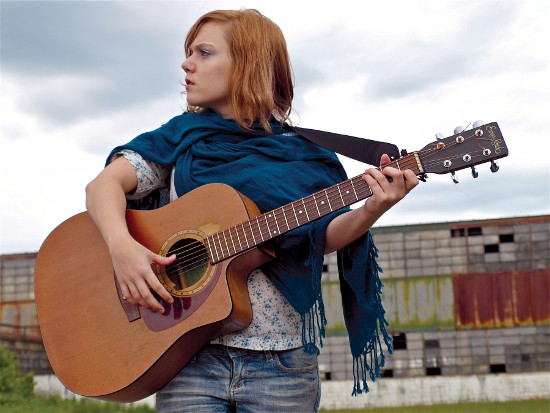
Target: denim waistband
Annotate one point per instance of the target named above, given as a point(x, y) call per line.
point(233, 352)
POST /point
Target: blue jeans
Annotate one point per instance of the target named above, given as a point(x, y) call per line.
point(228, 379)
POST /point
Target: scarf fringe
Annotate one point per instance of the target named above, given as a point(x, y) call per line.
point(371, 360)
point(314, 320)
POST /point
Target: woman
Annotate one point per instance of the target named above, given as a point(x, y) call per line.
point(239, 93)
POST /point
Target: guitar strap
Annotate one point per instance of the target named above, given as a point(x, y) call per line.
point(364, 150)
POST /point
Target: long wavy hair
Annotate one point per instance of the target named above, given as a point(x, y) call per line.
point(261, 79)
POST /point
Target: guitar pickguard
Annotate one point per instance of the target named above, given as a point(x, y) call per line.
point(181, 308)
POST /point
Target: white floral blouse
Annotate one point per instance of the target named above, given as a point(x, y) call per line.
point(275, 325)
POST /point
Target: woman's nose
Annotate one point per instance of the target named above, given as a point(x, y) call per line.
point(187, 65)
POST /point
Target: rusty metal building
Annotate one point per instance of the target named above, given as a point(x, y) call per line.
point(461, 298)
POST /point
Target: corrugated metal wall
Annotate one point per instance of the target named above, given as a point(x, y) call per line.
point(502, 299)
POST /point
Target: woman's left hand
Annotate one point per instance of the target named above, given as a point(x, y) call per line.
point(388, 186)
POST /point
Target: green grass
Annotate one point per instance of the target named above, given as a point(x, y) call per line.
point(54, 404)
point(527, 406)
point(51, 404)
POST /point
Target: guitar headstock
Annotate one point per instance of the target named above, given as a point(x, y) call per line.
point(463, 150)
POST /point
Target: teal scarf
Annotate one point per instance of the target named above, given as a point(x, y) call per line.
point(273, 170)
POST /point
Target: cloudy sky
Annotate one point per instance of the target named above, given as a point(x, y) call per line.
point(80, 77)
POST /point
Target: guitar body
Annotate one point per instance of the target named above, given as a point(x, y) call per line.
point(103, 347)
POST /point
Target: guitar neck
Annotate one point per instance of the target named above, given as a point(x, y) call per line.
point(249, 234)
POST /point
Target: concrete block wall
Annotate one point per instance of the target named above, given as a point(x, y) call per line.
point(17, 278)
point(30, 354)
point(457, 248)
point(449, 353)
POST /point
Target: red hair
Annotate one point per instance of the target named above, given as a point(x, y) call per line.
point(261, 81)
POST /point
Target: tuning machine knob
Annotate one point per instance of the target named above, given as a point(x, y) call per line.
point(477, 124)
point(475, 174)
point(458, 129)
point(494, 167)
point(454, 177)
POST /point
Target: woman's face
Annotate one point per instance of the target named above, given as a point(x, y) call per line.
point(207, 68)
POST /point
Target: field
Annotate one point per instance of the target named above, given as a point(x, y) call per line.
point(37, 404)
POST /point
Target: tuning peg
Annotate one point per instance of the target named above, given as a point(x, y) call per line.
point(439, 136)
point(475, 174)
point(458, 129)
point(494, 167)
point(454, 178)
point(477, 124)
point(423, 177)
point(404, 152)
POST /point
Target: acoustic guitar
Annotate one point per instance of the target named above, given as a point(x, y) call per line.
point(100, 346)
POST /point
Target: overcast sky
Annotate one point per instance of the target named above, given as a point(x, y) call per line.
point(80, 77)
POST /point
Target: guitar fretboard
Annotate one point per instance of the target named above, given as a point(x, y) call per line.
point(249, 234)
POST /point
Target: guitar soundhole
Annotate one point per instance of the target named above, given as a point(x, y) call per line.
point(188, 274)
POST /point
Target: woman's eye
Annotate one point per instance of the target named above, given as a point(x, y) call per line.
point(205, 52)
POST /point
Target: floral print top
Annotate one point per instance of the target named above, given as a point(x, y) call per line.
point(275, 325)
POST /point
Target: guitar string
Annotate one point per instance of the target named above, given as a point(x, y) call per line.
point(330, 194)
point(277, 213)
point(190, 251)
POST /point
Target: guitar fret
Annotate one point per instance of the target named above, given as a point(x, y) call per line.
point(260, 229)
point(239, 239)
point(245, 237)
point(351, 193)
point(316, 206)
point(305, 210)
point(233, 238)
point(220, 245)
point(284, 216)
point(337, 197)
point(232, 241)
point(325, 204)
point(295, 216)
point(211, 249)
point(252, 232)
point(340, 193)
point(226, 244)
point(353, 187)
point(276, 223)
point(275, 220)
point(269, 231)
point(328, 201)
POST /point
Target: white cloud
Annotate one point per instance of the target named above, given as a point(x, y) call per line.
point(398, 71)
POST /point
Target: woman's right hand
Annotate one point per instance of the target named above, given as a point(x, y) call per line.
point(132, 264)
point(106, 204)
